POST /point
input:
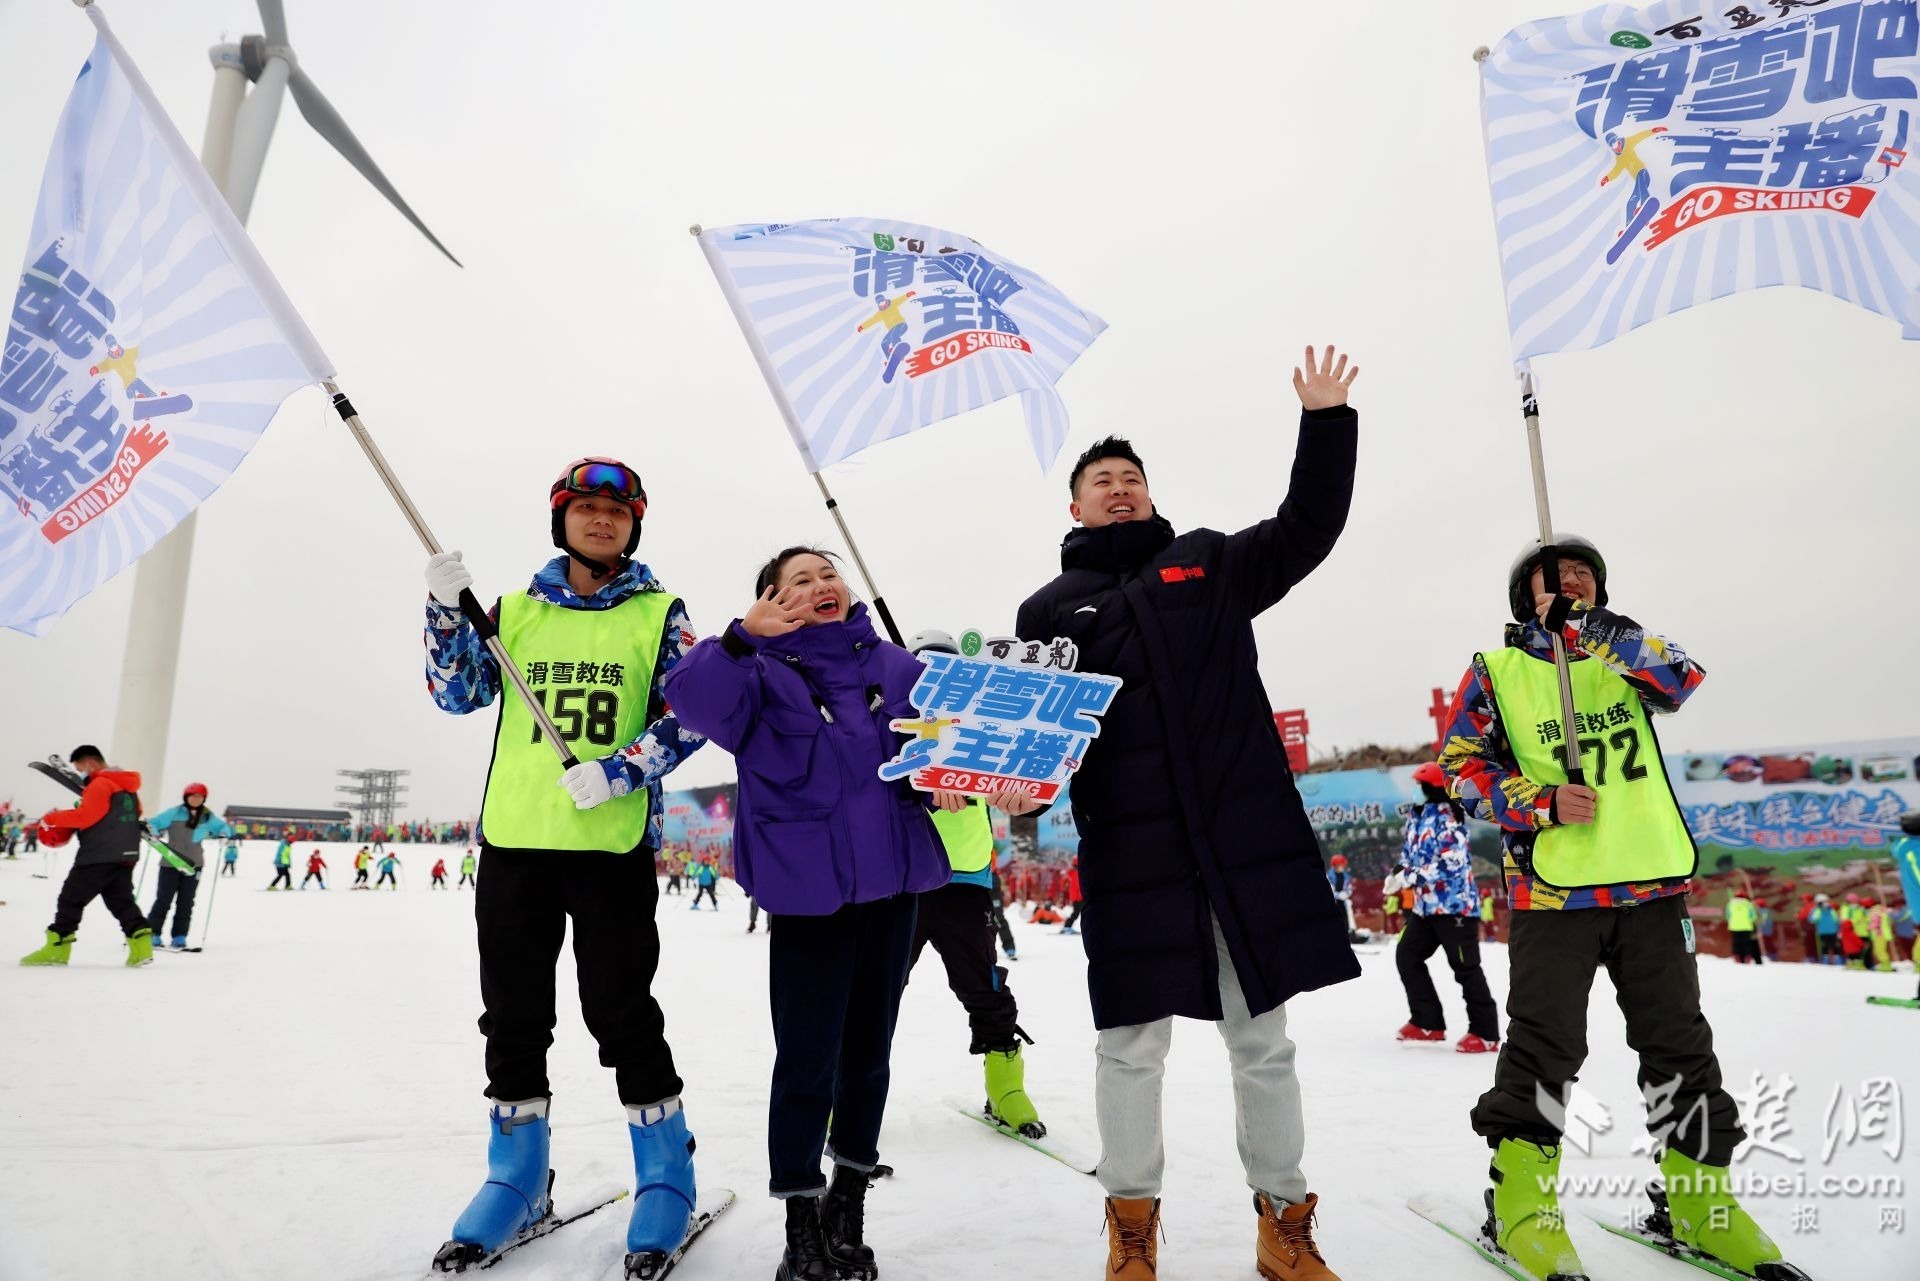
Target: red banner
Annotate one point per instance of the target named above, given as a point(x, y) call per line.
point(1293, 734)
point(142, 445)
point(1704, 204)
point(938, 355)
point(940, 778)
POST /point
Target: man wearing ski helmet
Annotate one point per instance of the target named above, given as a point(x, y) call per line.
point(182, 829)
point(594, 635)
point(1577, 856)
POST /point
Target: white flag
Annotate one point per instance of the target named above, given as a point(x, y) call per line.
point(867, 329)
point(147, 348)
point(1647, 160)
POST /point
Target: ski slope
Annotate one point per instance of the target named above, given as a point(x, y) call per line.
point(304, 1100)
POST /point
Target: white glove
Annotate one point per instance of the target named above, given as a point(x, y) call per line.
point(447, 578)
point(587, 784)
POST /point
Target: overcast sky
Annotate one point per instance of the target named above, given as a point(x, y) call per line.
point(1222, 183)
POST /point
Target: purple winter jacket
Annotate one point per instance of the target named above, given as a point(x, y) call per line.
point(816, 828)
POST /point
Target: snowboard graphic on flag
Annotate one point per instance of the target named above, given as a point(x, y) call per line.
point(869, 329)
point(146, 349)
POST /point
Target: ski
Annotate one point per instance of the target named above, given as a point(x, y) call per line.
point(458, 1256)
point(1666, 1245)
point(1902, 1002)
point(651, 1265)
point(1046, 1147)
point(1446, 1217)
point(59, 773)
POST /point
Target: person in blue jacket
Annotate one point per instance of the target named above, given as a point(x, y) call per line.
point(1826, 929)
point(1906, 860)
point(705, 878)
point(182, 829)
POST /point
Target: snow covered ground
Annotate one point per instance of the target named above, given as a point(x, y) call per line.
point(304, 1100)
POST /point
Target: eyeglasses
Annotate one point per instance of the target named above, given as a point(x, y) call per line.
point(1579, 571)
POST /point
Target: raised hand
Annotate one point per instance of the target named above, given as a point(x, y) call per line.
point(1324, 384)
point(777, 612)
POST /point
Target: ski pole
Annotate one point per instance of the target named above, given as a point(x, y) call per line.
point(206, 922)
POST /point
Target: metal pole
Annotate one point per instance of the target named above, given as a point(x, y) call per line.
point(1550, 579)
point(859, 563)
point(765, 362)
point(206, 921)
point(469, 604)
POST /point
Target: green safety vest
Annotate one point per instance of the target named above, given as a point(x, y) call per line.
point(1740, 914)
point(524, 807)
point(1638, 833)
point(968, 836)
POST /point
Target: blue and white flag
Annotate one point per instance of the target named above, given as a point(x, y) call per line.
point(1647, 160)
point(147, 348)
point(869, 329)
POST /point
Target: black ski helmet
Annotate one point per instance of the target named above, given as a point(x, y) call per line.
point(579, 479)
point(1567, 546)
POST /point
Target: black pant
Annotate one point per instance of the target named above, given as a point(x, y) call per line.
point(1000, 921)
point(834, 984)
point(176, 889)
point(466, 878)
point(360, 876)
point(1458, 938)
point(1647, 951)
point(708, 891)
point(957, 919)
point(1074, 915)
point(1829, 946)
point(386, 878)
point(313, 876)
point(521, 914)
point(226, 868)
point(111, 883)
point(1746, 946)
point(282, 876)
point(673, 884)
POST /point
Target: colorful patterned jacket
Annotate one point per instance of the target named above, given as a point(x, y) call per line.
point(462, 677)
point(1481, 767)
point(1434, 852)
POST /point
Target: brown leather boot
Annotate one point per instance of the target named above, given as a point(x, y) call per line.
point(1133, 1247)
point(1285, 1250)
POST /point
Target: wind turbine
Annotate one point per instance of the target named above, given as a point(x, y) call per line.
point(239, 127)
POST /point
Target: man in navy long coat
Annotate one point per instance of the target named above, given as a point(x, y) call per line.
point(1204, 889)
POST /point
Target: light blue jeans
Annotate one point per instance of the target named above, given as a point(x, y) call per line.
point(1266, 1096)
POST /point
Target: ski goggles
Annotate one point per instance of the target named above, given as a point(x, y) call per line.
point(600, 476)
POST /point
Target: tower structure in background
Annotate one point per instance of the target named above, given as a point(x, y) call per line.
point(373, 795)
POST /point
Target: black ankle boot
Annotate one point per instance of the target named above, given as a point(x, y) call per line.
point(805, 1258)
point(843, 1217)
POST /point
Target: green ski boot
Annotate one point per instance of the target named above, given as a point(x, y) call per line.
point(140, 947)
point(54, 953)
point(1523, 1211)
point(1007, 1100)
point(1699, 1212)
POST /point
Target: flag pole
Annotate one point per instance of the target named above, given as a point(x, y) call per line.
point(765, 362)
point(1550, 574)
point(469, 603)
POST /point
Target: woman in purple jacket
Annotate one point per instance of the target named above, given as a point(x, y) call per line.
point(802, 692)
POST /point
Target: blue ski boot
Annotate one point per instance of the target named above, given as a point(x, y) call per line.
point(517, 1193)
point(664, 1194)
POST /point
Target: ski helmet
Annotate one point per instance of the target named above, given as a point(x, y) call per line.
point(1338, 860)
point(1431, 775)
point(932, 639)
point(191, 788)
point(1568, 546)
point(1910, 823)
point(584, 476)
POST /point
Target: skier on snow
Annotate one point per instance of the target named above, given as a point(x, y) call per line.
point(597, 635)
point(1445, 918)
point(182, 828)
point(107, 821)
point(802, 692)
point(1204, 887)
point(316, 870)
point(957, 919)
point(282, 865)
point(1577, 858)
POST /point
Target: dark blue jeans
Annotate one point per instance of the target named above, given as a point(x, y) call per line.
point(835, 990)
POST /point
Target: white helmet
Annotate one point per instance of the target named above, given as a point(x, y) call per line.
point(933, 639)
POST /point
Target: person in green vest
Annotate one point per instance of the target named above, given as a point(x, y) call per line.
point(1487, 931)
point(1743, 924)
point(957, 919)
point(467, 866)
point(282, 865)
point(594, 636)
point(1596, 875)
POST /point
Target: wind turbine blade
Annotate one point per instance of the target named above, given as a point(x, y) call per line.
point(274, 18)
point(327, 123)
